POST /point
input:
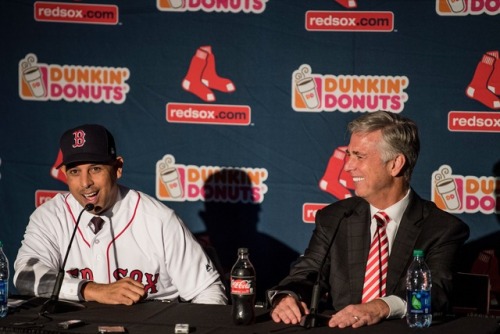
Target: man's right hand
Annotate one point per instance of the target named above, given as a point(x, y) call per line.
point(288, 309)
point(125, 291)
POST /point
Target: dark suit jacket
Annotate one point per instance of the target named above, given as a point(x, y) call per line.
point(423, 226)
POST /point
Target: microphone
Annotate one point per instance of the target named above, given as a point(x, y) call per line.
point(54, 305)
point(313, 319)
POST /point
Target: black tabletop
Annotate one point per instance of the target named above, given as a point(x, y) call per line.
point(160, 317)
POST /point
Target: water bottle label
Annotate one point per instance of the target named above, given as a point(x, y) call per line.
point(241, 286)
point(3, 292)
point(419, 302)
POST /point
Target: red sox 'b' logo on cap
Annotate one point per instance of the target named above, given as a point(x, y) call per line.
point(79, 137)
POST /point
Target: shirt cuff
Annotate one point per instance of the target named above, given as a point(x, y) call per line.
point(213, 294)
point(272, 294)
point(397, 306)
point(71, 289)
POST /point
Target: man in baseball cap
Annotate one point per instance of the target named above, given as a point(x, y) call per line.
point(130, 246)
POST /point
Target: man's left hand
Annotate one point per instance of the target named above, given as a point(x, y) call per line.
point(360, 315)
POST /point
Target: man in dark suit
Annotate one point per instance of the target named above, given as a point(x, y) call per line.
point(381, 155)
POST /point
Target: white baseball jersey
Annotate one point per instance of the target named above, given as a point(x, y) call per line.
point(141, 238)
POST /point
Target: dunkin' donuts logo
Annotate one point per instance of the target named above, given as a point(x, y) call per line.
point(467, 7)
point(233, 6)
point(465, 194)
point(175, 182)
point(347, 93)
point(71, 83)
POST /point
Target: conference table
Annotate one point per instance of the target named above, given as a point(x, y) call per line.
point(161, 317)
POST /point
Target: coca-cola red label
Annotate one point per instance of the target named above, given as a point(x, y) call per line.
point(242, 286)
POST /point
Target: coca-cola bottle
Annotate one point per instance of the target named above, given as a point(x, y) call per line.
point(243, 289)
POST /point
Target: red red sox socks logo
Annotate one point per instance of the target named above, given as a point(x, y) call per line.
point(348, 3)
point(485, 84)
point(150, 286)
point(336, 180)
point(57, 173)
point(202, 77)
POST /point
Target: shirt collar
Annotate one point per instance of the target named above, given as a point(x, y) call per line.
point(395, 211)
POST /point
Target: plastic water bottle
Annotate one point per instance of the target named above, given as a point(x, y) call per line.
point(4, 282)
point(418, 292)
point(243, 289)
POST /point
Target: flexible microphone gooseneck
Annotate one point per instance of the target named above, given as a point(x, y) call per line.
point(54, 305)
point(311, 320)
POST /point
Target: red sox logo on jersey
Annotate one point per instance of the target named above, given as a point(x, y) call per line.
point(79, 137)
point(149, 287)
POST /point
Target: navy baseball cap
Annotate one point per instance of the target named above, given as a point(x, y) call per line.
point(87, 143)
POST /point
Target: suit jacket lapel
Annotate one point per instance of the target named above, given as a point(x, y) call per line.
point(404, 242)
point(359, 245)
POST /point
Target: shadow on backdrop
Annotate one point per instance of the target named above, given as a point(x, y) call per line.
point(482, 256)
point(231, 216)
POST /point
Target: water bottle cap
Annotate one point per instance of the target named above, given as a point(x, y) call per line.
point(242, 250)
point(418, 252)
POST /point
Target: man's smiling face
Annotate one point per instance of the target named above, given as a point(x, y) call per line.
point(372, 176)
point(94, 183)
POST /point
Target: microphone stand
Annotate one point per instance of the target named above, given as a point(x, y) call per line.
point(313, 319)
point(54, 305)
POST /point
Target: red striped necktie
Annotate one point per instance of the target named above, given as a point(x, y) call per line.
point(376, 267)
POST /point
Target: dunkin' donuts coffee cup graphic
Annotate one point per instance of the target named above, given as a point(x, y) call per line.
point(452, 7)
point(456, 6)
point(306, 86)
point(447, 188)
point(176, 3)
point(32, 76)
point(171, 5)
point(170, 177)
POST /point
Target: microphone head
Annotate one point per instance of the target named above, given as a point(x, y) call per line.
point(89, 207)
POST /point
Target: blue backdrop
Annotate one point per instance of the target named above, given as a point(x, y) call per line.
point(233, 112)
